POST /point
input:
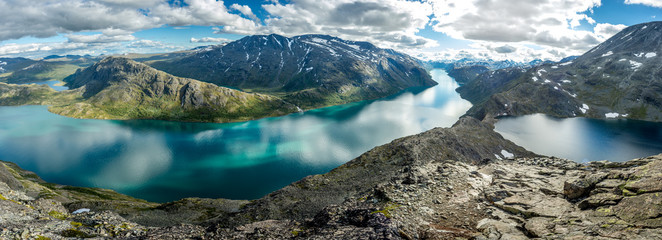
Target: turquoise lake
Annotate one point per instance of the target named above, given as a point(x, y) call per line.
point(165, 161)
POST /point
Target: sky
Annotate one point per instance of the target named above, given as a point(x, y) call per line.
point(519, 30)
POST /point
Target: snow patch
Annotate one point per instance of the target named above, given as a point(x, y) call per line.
point(635, 65)
point(612, 115)
point(28, 67)
point(567, 63)
point(566, 81)
point(644, 27)
point(541, 71)
point(534, 78)
point(572, 95)
point(556, 88)
point(607, 54)
point(355, 47)
point(650, 55)
point(82, 210)
point(497, 157)
point(547, 81)
point(584, 108)
point(555, 67)
point(319, 40)
point(507, 154)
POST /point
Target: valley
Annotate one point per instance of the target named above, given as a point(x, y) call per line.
point(207, 120)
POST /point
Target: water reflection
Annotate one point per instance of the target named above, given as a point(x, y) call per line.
point(163, 161)
point(54, 84)
point(582, 139)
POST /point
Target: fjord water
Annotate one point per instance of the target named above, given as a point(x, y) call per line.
point(164, 161)
point(582, 139)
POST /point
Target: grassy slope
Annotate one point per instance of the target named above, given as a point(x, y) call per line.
point(140, 92)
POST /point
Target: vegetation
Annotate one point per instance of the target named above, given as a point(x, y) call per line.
point(120, 88)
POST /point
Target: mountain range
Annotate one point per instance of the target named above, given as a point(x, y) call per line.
point(309, 71)
point(620, 78)
point(266, 75)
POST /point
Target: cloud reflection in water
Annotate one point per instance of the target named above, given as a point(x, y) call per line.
point(163, 161)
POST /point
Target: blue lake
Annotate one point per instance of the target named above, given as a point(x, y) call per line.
point(164, 161)
point(582, 139)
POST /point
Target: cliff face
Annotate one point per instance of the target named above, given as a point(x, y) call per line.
point(120, 88)
point(310, 71)
point(459, 182)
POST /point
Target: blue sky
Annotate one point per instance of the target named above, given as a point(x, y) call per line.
point(429, 29)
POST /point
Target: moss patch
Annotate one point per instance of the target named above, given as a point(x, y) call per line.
point(387, 210)
point(75, 233)
point(58, 215)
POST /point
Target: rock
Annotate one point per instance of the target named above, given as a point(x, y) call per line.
point(580, 187)
point(600, 199)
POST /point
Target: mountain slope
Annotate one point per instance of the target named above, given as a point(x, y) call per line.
point(621, 77)
point(120, 88)
point(310, 71)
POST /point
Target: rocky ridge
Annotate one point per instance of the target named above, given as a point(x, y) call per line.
point(464, 182)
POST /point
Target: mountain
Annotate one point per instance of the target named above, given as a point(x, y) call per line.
point(310, 71)
point(22, 70)
point(464, 75)
point(120, 88)
point(620, 78)
point(463, 182)
point(13, 95)
point(11, 64)
point(488, 63)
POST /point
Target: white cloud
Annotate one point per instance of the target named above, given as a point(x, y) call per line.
point(209, 40)
point(505, 49)
point(99, 38)
point(606, 30)
point(484, 50)
point(388, 23)
point(48, 18)
point(38, 50)
point(245, 10)
point(547, 23)
point(32, 49)
point(652, 3)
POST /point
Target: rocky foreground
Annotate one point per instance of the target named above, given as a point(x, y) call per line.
point(464, 182)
